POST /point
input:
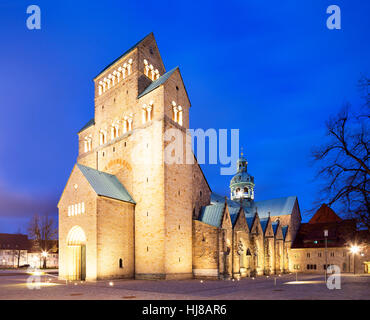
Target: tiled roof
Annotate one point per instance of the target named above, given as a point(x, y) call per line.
point(324, 214)
point(155, 84)
point(14, 241)
point(105, 184)
point(312, 235)
point(89, 124)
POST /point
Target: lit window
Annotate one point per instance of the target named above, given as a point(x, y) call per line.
point(147, 112)
point(83, 207)
point(114, 130)
point(150, 72)
point(127, 123)
point(177, 113)
point(103, 137)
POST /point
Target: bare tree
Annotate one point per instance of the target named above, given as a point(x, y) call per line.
point(43, 231)
point(344, 160)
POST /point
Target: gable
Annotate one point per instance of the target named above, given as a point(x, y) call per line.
point(124, 54)
point(241, 222)
point(157, 83)
point(173, 93)
point(75, 178)
point(324, 214)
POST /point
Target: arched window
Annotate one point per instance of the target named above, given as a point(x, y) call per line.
point(150, 72)
point(103, 137)
point(120, 263)
point(147, 112)
point(177, 113)
point(114, 130)
point(245, 190)
point(127, 123)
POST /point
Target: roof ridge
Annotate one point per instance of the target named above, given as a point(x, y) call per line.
point(123, 54)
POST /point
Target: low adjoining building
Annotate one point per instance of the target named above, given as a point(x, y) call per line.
point(329, 240)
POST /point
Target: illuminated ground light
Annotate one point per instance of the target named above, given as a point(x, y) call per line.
point(36, 273)
point(111, 283)
point(304, 282)
point(201, 281)
point(42, 284)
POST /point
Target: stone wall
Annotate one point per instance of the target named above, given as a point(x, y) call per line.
point(115, 238)
point(205, 250)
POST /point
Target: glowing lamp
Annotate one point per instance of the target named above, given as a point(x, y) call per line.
point(354, 249)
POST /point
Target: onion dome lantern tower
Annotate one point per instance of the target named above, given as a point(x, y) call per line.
point(242, 184)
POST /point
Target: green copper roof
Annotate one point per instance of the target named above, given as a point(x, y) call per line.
point(155, 84)
point(105, 184)
point(89, 124)
point(264, 223)
point(276, 207)
point(275, 226)
point(212, 214)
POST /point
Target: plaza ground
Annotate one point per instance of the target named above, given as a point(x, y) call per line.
point(13, 285)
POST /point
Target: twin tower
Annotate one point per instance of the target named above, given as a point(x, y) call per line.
point(124, 212)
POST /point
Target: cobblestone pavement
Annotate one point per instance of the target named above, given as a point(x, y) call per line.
point(308, 287)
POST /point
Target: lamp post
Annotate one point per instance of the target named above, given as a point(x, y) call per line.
point(44, 255)
point(326, 233)
point(354, 250)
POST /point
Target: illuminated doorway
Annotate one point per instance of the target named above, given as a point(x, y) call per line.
point(76, 243)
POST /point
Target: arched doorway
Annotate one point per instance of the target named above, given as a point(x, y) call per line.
point(76, 243)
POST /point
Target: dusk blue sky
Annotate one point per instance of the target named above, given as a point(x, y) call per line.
point(269, 68)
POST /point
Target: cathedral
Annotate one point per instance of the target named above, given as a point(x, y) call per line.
point(127, 213)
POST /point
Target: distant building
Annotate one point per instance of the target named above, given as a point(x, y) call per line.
point(16, 250)
point(308, 252)
point(13, 250)
point(35, 257)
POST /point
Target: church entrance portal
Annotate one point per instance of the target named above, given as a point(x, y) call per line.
point(76, 243)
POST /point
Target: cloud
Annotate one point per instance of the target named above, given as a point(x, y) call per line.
point(20, 204)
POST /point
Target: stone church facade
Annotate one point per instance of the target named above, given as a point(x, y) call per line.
point(126, 213)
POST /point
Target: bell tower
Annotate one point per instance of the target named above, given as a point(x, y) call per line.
point(242, 184)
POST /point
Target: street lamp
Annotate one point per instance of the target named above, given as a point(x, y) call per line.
point(326, 234)
point(354, 250)
point(44, 254)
